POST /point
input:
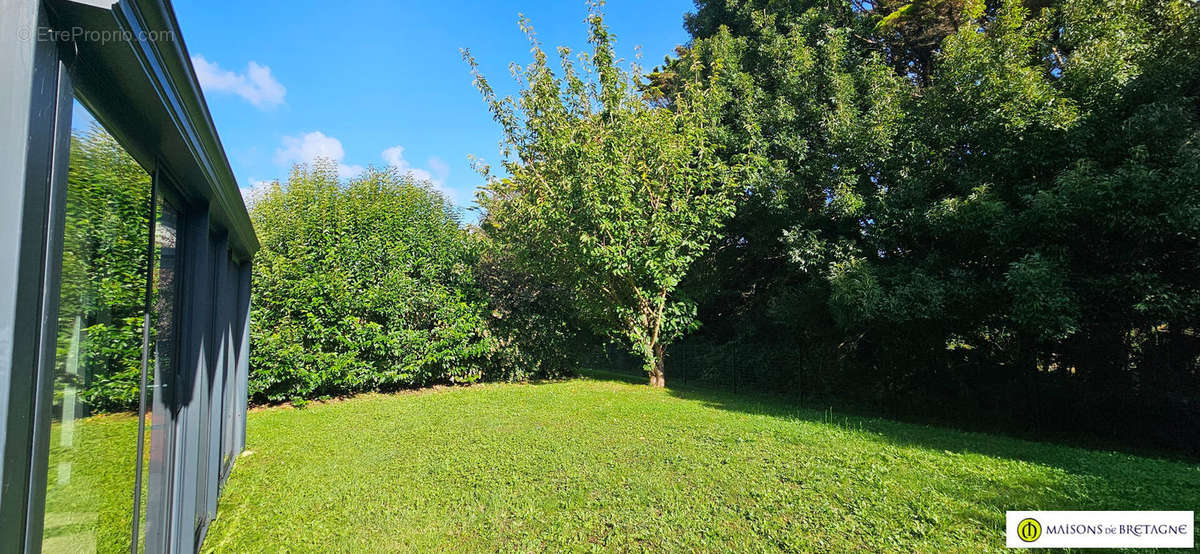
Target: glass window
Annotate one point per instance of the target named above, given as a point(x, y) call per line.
point(101, 321)
point(164, 302)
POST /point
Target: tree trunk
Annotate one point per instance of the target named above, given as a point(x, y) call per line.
point(658, 378)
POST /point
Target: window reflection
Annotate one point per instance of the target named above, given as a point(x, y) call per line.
point(97, 380)
point(165, 336)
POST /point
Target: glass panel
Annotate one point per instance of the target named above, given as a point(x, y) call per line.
point(97, 381)
point(165, 323)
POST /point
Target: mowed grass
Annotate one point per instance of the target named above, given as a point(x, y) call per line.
point(597, 464)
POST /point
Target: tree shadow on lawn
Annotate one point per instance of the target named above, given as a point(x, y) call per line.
point(1084, 480)
point(602, 375)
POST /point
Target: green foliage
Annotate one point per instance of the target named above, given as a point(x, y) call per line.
point(363, 286)
point(607, 197)
point(1042, 303)
point(960, 199)
point(825, 113)
point(536, 332)
point(855, 294)
point(1063, 146)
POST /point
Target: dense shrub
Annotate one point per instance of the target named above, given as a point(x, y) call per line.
point(366, 285)
point(536, 331)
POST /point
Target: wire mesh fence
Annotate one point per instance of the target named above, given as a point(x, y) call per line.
point(728, 366)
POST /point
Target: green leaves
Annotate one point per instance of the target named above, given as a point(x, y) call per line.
point(1042, 303)
point(362, 286)
point(956, 192)
point(608, 196)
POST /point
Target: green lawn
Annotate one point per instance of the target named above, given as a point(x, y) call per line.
point(602, 464)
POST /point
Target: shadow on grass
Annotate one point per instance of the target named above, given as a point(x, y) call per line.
point(1112, 480)
point(602, 375)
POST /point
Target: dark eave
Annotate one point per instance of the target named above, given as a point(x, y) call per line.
point(141, 86)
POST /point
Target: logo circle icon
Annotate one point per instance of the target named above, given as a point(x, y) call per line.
point(1029, 529)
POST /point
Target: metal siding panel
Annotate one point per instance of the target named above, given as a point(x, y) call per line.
point(216, 396)
point(16, 100)
point(166, 409)
point(195, 335)
point(243, 369)
point(230, 299)
point(30, 120)
point(51, 280)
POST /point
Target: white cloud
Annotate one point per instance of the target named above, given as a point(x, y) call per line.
point(394, 157)
point(437, 173)
point(256, 190)
point(256, 85)
point(310, 146)
point(347, 171)
point(441, 169)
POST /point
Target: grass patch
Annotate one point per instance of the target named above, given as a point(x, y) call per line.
point(604, 464)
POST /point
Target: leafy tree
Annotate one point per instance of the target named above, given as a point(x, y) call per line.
point(535, 330)
point(987, 204)
point(799, 86)
point(607, 196)
point(1049, 190)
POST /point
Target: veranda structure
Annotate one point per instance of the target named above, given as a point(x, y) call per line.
point(126, 62)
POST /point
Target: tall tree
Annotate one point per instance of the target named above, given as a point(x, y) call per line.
point(1007, 210)
point(800, 87)
point(608, 196)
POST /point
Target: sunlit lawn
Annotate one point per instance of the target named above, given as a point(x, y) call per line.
point(600, 464)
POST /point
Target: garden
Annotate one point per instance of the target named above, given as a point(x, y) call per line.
point(603, 462)
point(832, 277)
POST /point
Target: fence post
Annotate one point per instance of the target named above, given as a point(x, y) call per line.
point(735, 372)
point(683, 369)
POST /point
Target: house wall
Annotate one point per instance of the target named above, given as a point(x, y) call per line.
point(194, 369)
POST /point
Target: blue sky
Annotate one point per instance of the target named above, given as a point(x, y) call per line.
point(377, 82)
